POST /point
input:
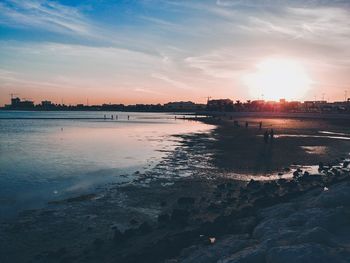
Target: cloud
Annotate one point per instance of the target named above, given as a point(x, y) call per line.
point(174, 83)
point(148, 91)
point(46, 15)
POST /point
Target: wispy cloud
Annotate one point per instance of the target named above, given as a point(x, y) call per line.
point(148, 91)
point(219, 63)
point(46, 15)
point(174, 83)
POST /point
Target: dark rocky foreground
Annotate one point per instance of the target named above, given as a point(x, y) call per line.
point(306, 219)
point(314, 227)
point(297, 220)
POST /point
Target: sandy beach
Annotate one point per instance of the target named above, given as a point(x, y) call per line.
point(192, 208)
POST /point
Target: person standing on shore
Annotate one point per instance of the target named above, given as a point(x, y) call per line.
point(266, 137)
point(260, 125)
point(246, 124)
point(272, 134)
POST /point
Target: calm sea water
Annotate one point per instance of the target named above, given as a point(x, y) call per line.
point(50, 159)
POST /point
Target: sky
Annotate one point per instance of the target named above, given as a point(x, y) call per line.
point(152, 51)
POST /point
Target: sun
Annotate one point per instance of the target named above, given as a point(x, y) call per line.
point(276, 79)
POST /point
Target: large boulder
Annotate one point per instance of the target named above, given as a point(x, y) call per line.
point(305, 253)
point(337, 196)
point(250, 255)
point(317, 235)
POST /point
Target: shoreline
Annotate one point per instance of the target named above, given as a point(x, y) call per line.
point(164, 215)
point(267, 114)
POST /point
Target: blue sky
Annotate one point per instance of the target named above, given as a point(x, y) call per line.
point(158, 51)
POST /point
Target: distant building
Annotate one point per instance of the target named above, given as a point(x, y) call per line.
point(18, 104)
point(47, 105)
point(220, 105)
point(180, 106)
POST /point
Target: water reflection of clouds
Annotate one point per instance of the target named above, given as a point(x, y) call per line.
point(84, 153)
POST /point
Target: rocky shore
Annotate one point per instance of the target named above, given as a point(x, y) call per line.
point(304, 219)
point(310, 224)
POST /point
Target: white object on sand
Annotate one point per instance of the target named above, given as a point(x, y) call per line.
point(212, 240)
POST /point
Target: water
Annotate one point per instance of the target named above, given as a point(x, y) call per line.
point(50, 159)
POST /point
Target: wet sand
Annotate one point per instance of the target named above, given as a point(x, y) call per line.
point(242, 150)
point(187, 198)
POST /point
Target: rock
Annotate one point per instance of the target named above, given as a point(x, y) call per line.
point(266, 228)
point(180, 216)
point(186, 201)
point(315, 235)
point(129, 233)
point(296, 219)
point(253, 184)
point(221, 186)
point(264, 201)
point(214, 206)
point(133, 222)
point(98, 242)
point(271, 186)
point(279, 211)
point(320, 166)
point(118, 236)
point(296, 174)
point(218, 195)
point(306, 253)
point(221, 249)
point(338, 196)
point(282, 181)
point(250, 255)
point(57, 253)
point(144, 228)
point(163, 218)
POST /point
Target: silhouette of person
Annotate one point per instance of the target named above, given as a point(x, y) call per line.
point(246, 124)
point(260, 125)
point(272, 134)
point(128, 117)
point(266, 137)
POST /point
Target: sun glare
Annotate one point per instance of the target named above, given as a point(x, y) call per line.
point(278, 78)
